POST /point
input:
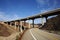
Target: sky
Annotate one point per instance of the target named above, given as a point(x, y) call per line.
point(17, 9)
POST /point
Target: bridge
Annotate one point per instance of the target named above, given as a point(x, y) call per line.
point(41, 15)
point(21, 24)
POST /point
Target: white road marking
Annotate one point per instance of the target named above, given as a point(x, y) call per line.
point(32, 35)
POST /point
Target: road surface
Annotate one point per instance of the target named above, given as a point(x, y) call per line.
point(37, 34)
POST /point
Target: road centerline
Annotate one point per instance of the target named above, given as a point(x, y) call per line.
point(32, 34)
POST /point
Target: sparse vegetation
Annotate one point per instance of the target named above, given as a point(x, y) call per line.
point(17, 37)
point(5, 30)
point(53, 24)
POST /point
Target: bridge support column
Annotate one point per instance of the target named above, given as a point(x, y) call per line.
point(46, 19)
point(21, 26)
point(42, 21)
point(24, 24)
point(7, 23)
point(33, 23)
point(29, 24)
point(15, 25)
point(18, 25)
point(10, 23)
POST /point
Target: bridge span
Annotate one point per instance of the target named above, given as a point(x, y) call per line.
point(34, 33)
point(41, 15)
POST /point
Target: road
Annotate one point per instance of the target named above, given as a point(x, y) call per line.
point(37, 34)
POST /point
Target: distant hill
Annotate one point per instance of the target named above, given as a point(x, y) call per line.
point(5, 30)
point(53, 23)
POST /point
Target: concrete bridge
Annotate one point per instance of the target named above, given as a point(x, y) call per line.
point(21, 24)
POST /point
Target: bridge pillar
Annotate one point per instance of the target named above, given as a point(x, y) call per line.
point(7, 23)
point(29, 24)
point(18, 25)
point(10, 23)
point(42, 21)
point(15, 25)
point(24, 24)
point(33, 22)
point(21, 26)
point(46, 19)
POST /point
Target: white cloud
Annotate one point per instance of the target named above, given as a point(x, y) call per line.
point(42, 3)
point(45, 10)
point(47, 3)
point(4, 17)
point(15, 17)
point(42, 11)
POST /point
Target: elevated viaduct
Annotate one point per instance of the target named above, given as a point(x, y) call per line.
point(18, 23)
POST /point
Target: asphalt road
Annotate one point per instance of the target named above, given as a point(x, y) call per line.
point(37, 34)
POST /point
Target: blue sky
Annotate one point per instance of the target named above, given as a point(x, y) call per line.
point(17, 9)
